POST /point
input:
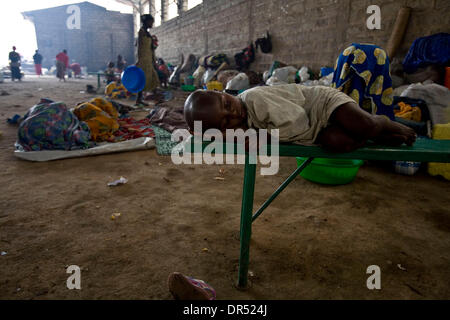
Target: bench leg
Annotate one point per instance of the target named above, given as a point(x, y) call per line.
point(246, 221)
point(282, 187)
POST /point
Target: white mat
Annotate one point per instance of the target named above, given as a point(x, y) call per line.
point(125, 146)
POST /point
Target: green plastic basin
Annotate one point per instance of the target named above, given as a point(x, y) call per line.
point(330, 171)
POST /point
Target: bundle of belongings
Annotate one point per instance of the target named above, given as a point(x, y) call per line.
point(412, 113)
point(265, 43)
point(425, 104)
point(209, 67)
point(433, 100)
point(245, 58)
point(433, 50)
point(187, 66)
point(427, 59)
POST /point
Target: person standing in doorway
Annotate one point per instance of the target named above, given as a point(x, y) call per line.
point(14, 64)
point(62, 63)
point(146, 56)
point(38, 63)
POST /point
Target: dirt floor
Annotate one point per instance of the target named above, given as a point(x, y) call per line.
point(314, 242)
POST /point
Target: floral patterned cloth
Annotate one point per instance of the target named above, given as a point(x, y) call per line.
point(362, 72)
point(133, 129)
point(51, 126)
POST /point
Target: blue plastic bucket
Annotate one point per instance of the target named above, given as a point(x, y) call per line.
point(133, 79)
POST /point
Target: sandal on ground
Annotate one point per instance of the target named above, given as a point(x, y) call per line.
point(187, 288)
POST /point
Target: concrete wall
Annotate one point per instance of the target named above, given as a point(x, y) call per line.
point(103, 35)
point(305, 32)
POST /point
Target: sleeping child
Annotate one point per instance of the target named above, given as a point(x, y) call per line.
point(304, 115)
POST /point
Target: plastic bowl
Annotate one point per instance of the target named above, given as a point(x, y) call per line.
point(133, 79)
point(330, 171)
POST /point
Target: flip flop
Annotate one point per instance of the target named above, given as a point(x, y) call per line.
point(187, 288)
point(14, 120)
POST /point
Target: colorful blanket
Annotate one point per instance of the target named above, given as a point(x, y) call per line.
point(51, 126)
point(101, 117)
point(133, 129)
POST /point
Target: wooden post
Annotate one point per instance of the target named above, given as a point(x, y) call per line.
point(398, 32)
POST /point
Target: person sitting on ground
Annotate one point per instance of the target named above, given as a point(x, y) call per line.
point(163, 72)
point(76, 68)
point(110, 73)
point(304, 115)
point(120, 64)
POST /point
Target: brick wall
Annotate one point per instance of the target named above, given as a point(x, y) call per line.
point(103, 35)
point(305, 32)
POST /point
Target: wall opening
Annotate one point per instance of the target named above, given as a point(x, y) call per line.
point(157, 13)
point(172, 9)
point(193, 3)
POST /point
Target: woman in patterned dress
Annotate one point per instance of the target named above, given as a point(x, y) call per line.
point(146, 56)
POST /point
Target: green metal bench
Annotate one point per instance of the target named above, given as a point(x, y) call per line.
point(424, 150)
point(99, 75)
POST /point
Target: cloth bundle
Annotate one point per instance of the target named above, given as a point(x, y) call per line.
point(425, 51)
point(116, 91)
point(362, 72)
point(408, 112)
point(101, 117)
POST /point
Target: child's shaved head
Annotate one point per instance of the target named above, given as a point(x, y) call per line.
point(203, 106)
point(216, 110)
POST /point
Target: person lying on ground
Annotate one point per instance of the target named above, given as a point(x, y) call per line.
point(304, 115)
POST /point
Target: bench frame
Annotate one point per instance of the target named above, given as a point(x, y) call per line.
point(424, 150)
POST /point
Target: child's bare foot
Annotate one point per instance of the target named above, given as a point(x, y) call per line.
point(395, 134)
point(407, 133)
